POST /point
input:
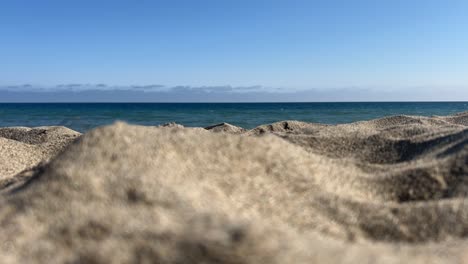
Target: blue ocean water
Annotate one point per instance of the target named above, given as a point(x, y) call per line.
point(85, 116)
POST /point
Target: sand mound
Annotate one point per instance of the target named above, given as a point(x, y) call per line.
point(172, 124)
point(226, 128)
point(384, 191)
point(291, 127)
point(23, 148)
point(382, 141)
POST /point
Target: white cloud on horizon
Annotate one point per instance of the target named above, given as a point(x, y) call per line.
point(225, 93)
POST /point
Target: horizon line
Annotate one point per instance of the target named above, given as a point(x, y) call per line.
point(234, 102)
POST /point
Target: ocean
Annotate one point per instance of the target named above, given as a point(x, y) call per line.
point(84, 116)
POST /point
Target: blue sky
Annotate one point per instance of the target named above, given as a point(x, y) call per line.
point(289, 45)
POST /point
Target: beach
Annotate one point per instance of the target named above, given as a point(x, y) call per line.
point(387, 190)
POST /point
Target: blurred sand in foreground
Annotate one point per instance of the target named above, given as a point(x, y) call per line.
point(390, 190)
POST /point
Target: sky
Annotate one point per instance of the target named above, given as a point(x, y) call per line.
point(340, 50)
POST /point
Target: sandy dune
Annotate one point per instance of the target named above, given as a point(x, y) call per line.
point(22, 148)
point(390, 190)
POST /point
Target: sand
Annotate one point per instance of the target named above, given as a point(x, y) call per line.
point(390, 190)
point(22, 149)
point(226, 128)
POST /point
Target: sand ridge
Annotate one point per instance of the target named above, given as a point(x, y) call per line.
point(390, 190)
point(23, 148)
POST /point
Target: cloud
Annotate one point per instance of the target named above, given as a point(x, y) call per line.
point(22, 87)
point(257, 93)
point(150, 87)
point(216, 89)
